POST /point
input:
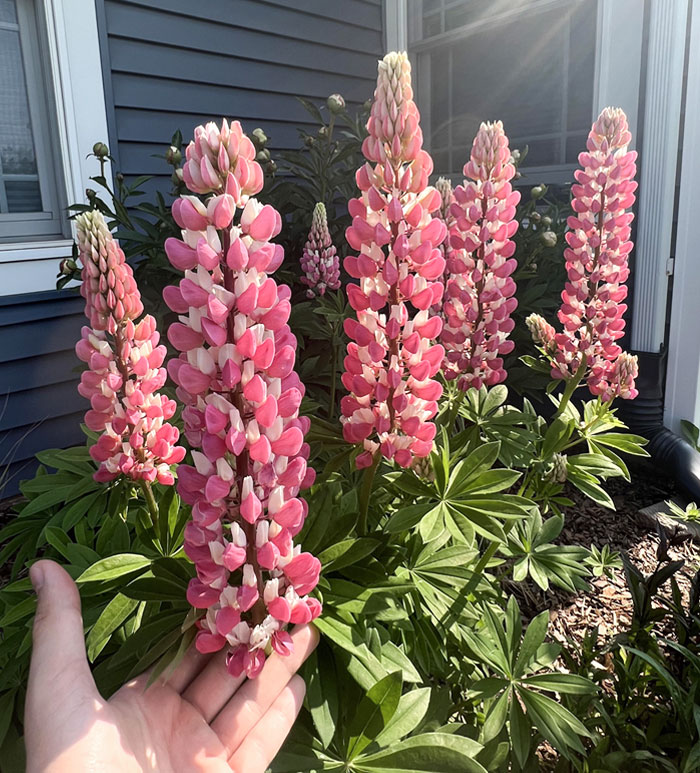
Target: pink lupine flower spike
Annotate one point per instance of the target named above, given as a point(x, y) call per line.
point(124, 366)
point(319, 261)
point(479, 297)
point(236, 378)
point(392, 360)
point(597, 268)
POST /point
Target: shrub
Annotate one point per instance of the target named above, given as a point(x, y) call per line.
point(431, 494)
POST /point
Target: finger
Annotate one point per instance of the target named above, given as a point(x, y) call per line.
point(58, 651)
point(211, 690)
point(244, 710)
point(187, 669)
point(263, 742)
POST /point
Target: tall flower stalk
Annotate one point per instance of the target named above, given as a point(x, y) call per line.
point(479, 297)
point(319, 260)
point(236, 378)
point(392, 360)
point(124, 367)
point(597, 268)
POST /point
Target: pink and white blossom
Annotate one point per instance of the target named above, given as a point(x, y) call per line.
point(124, 366)
point(592, 310)
point(392, 359)
point(236, 379)
point(480, 292)
point(319, 260)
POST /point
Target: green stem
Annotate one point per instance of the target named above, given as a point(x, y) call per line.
point(334, 370)
point(366, 492)
point(454, 408)
point(570, 389)
point(151, 503)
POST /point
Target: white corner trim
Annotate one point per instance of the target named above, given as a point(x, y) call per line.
point(81, 121)
point(620, 34)
point(682, 397)
point(659, 162)
point(395, 25)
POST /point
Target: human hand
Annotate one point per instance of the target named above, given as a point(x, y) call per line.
point(198, 719)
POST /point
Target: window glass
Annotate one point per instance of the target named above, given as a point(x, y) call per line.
point(532, 70)
point(29, 200)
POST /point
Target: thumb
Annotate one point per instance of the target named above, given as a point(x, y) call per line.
point(58, 650)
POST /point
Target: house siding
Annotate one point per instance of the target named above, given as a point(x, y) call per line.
point(168, 65)
point(170, 68)
point(39, 404)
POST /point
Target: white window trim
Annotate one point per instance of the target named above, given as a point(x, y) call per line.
point(682, 398)
point(81, 113)
point(395, 25)
point(668, 25)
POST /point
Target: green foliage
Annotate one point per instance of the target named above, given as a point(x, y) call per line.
point(132, 575)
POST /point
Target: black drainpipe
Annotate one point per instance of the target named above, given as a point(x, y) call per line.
point(644, 416)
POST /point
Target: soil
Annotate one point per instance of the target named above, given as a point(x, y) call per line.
point(608, 604)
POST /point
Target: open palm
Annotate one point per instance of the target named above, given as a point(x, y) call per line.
point(198, 719)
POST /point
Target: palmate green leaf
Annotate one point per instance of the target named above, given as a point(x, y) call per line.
point(322, 692)
point(571, 684)
point(627, 443)
point(556, 437)
point(470, 468)
point(347, 552)
point(556, 723)
point(16, 612)
point(368, 669)
point(432, 525)
point(155, 589)
point(490, 482)
point(534, 637)
point(114, 566)
point(407, 517)
point(412, 708)
point(148, 633)
point(112, 616)
point(588, 485)
point(394, 658)
point(520, 733)
point(425, 753)
point(373, 713)
point(594, 464)
point(495, 717)
point(477, 520)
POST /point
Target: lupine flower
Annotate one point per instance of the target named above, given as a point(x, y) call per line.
point(236, 378)
point(319, 260)
point(479, 297)
point(596, 263)
point(392, 360)
point(124, 361)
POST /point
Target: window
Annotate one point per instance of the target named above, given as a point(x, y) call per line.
point(530, 63)
point(30, 206)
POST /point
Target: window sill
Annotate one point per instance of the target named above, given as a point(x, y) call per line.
point(29, 267)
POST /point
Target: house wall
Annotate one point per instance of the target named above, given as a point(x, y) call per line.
point(167, 65)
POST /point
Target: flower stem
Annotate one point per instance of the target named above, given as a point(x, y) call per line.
point(366, 492)
point(570, 389)
point(334, 370)
point(150, 502)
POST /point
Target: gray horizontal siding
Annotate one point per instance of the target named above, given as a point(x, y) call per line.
point(173, 64)
point(39, 404)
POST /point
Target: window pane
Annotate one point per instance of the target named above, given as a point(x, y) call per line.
point(19, 180)
point(533, 71)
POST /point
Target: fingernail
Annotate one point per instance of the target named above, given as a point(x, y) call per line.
point(36, 575)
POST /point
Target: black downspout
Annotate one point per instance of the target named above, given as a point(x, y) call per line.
point(644, 416)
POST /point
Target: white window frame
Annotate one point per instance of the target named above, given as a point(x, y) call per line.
point(81, 120)
point(49, 221)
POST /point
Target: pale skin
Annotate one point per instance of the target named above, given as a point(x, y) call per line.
point(197, 719)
